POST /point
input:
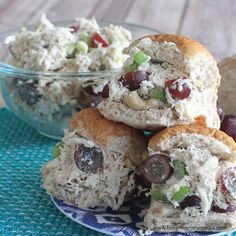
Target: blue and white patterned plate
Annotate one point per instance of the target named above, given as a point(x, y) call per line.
point(127, 221)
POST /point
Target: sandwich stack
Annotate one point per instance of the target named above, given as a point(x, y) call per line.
point(169, 82)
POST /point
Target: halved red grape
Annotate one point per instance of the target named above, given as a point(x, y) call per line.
point(28, 91)
point(228, 182)
point(157, 168)
point(74, 28)
point(105, 91)
point(88, 88)
point(190, 201)
point(230, 208)
point(98, 40)
point(85, 100)
point(132, 80)
point(220, 112)
point(179, 88)
point(88, 160)
point(228, 125)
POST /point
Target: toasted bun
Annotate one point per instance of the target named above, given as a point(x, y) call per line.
point(92, 126)
point(187, 46)
point(227, 96)
point(164, 218)
point(157, 140)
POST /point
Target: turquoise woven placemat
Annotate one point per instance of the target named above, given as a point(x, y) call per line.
point(25, 208)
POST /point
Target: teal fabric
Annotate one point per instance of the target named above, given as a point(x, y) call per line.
point(25, 208)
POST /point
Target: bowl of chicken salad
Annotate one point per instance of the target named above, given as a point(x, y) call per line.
point(49, 71)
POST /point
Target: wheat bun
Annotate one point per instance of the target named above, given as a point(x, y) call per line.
point(157, 140)
point(227, 96)
point(187, 46)
point(206, 154)
point(92, 125)
point(182, 54)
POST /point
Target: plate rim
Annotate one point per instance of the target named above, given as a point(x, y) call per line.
point(115, 234)
point(81, 223)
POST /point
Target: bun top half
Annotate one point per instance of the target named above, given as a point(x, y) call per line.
point(186, 45)
point(158, 140)
point(92, 125)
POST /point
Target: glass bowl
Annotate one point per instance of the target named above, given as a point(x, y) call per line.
point(50, 113)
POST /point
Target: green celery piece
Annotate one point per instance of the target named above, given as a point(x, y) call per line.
point(157, 195)
point(84, 36)
point(132, 67)
point(70, 49)
point(179, 169)
point(183, 192)
point(56, 151)
point(140, 58)
point(81, 47)
point(159, 93)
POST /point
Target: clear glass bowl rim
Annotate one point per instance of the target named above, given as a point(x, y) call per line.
point(8, 69)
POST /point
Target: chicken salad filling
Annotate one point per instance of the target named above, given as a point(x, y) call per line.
point(86, 175)
point(193, 179)
point(83, 46)
point(150, 80)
